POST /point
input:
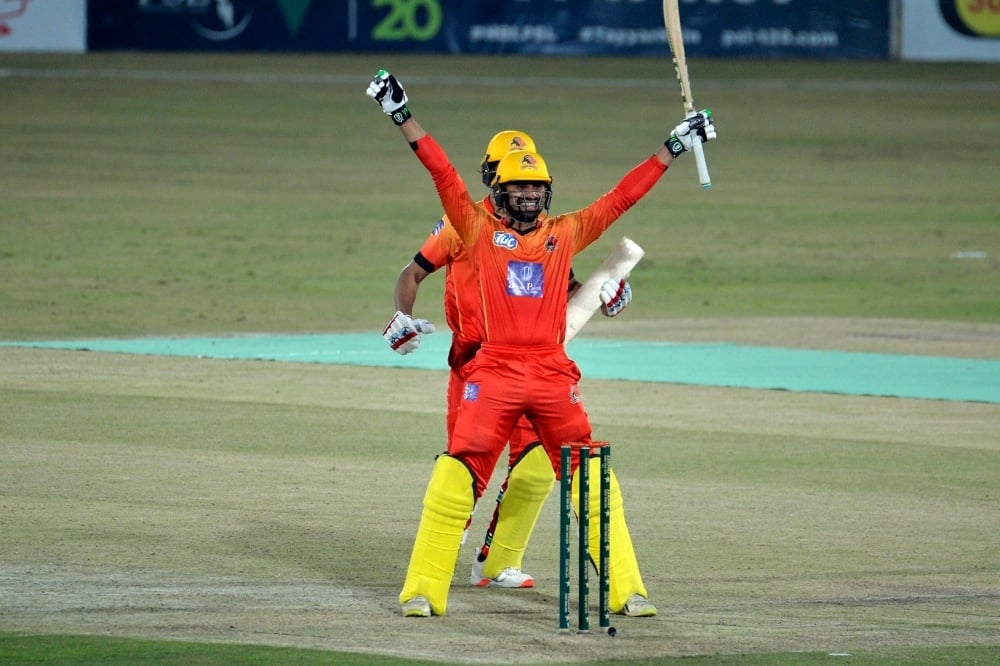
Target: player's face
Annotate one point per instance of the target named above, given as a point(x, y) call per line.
point(526, 198)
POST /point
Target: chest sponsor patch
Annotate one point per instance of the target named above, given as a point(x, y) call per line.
point(525, 279)
point(504, 239)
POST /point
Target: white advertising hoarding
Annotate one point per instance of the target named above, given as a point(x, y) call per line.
point(43, 25)
point(950, 30)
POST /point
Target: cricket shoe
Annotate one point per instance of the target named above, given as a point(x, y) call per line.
point(511, 577)
point(638, 606)
point(416, 607)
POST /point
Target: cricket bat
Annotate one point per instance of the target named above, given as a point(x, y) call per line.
point(586, 301)
point(672, 22)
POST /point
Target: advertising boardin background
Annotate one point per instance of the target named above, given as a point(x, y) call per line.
point(952, 30)
point(715, 28)
point(747, 28)
point(43, 25)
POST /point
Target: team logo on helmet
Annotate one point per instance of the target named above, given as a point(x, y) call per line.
point(521, 165)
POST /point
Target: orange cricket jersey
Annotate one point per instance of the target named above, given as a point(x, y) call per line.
point(526, 277)
point(462, 300)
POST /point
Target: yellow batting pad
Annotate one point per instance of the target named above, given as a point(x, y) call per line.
point(624, 578)
point(528, 485)
point(448, 503)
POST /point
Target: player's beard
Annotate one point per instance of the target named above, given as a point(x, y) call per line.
point(522, 212)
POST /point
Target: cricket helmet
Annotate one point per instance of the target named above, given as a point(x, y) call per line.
point(501, 144)
point(520, 166)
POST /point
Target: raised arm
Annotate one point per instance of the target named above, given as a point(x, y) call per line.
point(458, 204)
point(391, 96)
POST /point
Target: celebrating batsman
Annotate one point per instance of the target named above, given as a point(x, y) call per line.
point(523, 257)
point(530, 475)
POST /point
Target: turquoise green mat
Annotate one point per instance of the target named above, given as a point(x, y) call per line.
point(930, 377)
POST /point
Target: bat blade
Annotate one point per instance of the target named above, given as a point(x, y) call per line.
point(586, 301)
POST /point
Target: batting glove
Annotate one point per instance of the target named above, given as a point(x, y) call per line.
point(388, 93)
point(615, 296)
point(682, 138)
point(403, 332)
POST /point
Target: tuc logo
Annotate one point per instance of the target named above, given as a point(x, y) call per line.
point(975, 18)
point(10, 9)
point(505, 240)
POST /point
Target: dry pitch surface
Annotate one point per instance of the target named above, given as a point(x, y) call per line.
point(112, 538)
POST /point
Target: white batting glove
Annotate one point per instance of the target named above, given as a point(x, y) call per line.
point(403, 332)
point(388, 93)
point(616, 294)
point(682, 139)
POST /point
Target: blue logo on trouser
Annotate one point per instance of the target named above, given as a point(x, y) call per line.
point(470, 392)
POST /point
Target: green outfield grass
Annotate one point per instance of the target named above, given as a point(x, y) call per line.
point(181, 510)
point(114, 652)
point(255, 202)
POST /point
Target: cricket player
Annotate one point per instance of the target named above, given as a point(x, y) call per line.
point(530, 476)
point(523, 258)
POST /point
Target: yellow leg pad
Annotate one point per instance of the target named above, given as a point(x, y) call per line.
point(624, 578)
point(528, 485)
point(448, 503)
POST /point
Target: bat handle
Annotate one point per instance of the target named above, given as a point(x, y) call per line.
point(699, 159)
point(699, 153)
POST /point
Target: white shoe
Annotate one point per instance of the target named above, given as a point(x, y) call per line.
point(638, 606)
point(416, 607)
point(511, 577)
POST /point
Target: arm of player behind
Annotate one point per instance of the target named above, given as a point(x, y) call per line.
point(403, 331)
